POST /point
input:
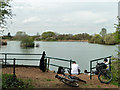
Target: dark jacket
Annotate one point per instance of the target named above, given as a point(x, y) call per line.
point(42, 62)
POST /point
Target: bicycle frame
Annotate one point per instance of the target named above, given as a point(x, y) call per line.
point(72, 78)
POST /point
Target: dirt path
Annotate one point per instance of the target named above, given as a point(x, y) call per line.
point(47, 79)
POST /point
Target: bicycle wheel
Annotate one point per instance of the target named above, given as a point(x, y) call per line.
point(70, 83)
point(105, 76)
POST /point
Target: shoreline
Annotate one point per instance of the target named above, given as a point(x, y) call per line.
point(53, 41)
point(66, 41)
point(72, 40)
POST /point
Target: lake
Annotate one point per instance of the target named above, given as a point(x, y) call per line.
point(81, 52)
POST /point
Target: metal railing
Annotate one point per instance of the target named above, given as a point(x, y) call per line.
point(91, 64)
point(46, 58)
point(5, 58)
point(59, 59)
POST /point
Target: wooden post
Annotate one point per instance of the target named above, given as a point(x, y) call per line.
point(70, 66)
point(110, 63)
point(90, 69)
point(14, 68)
point(48, 64)
point(45, 60)
point(5, 59)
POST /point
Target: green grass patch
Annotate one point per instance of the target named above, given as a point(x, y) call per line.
point(86, 84)
point(99, 86)
point(49, 80)
point(8, 81)
point(115, 83)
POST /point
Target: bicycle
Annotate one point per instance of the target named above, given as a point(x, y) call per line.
point(105, 75)
point(69, 79)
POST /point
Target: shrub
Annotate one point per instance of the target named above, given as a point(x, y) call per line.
point(27, 42)
point(96, 39)
point(115, 71)
point(8, 81)
point(110, 39)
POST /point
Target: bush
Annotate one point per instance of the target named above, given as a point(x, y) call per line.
point(115, 71)
point(97, 39)
point(8, 81)
point(27, 42)
point(110, 39)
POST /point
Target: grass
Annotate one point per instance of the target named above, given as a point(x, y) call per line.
point(99, 86)
point(8, 81)
point(49, 80)
point(115, 83)
point(86, 84)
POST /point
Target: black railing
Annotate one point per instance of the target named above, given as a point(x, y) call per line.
point(96, 60)
point(59, 59)
point(46, 58)
point(5, 58)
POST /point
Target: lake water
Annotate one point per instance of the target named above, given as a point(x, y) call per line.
point(81, 52)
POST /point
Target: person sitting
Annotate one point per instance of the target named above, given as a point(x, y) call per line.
point(106, 63)
point(75, 68)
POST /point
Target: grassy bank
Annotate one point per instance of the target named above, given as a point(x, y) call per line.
point(8, 81)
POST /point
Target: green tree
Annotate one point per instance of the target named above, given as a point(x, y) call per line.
point(117, 26)
point(19, 35)
point(83, 36)
point(27, 41)
point(103, 32)
point(116, 63)
point(110, 39)
point(96, 39)
point(5, 12)
point(48, 34)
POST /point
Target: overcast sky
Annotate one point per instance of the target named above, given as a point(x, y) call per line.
point(63, 16)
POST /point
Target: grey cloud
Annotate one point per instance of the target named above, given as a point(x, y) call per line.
point(65, 17)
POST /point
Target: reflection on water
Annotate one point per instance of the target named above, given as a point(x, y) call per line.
point(81, 52)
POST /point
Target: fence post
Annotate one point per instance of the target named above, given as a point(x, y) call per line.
point(90, 69)
point(5, 59)
point(48, 64)
point(45, 60)
point(70, 66)
point(14, 68)
point(110, 63)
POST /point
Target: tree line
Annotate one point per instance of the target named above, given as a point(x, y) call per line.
point(102, 38)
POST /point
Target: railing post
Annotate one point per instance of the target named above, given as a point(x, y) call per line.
point(90, 69)
point(14, 68)
point(45, 60)
point(5, 59)
point(110, 63)
point(70, 66)
point(48, 64)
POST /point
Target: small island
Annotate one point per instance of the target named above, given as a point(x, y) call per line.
point(27, 42)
